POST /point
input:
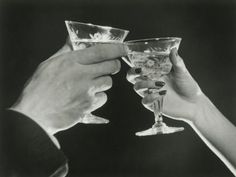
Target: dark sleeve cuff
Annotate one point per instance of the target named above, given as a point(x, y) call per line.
point(27, 148)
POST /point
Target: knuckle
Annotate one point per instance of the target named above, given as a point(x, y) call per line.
point(136, 86)
point(143, 93)
point(129, 78)
point(87, 103)
point(103, 97)
point(99, 50)
point(115, 66)
point(105, 83)
point(108, 81)
point(144, 101)
point(118, 65)
point(148, 99)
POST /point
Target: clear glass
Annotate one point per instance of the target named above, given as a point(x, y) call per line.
point(84, 35)
point(152, 55)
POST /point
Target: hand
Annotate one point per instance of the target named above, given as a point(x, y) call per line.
point(185, 101)
point(183, 97)
point(69, 85)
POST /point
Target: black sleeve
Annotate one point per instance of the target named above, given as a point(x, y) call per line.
point(26, 150)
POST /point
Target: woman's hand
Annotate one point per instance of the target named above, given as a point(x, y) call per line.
point(183, 97)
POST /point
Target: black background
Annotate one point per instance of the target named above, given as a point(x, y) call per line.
point(31, 31)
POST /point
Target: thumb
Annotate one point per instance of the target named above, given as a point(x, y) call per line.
point(66, 48)
point(68, 43)
point(177, 62)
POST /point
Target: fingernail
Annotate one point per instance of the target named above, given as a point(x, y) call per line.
point(159, 84)
point(125, 48)
point(138, 70)
point(145, 77)
point(174, 51)
point(163, 92)
point(149, 91)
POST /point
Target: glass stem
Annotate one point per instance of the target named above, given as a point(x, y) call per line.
point(158, 107)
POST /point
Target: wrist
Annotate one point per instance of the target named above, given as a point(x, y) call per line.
point(32, 114)
point(203, 108)
point(51, 136)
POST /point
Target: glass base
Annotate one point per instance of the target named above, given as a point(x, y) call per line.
point(92, 119)
point(159, 128)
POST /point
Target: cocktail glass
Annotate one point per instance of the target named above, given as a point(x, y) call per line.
point(152, 56)
point(84, 35)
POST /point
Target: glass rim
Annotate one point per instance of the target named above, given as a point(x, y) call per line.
point(100, 26)
point(152, 39)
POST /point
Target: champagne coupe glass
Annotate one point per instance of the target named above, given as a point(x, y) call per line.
point(152, 55)
point(84, 35)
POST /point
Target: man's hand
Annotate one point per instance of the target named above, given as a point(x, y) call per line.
point(69, 85)
point(183, 93)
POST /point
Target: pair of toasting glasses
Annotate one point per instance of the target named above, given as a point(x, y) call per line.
point(151, 55)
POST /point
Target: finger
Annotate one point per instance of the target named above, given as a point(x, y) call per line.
point(99, 53)
point(100, 100)
point(143, 87)
point(102, 84)
point(143, 92)
point(66, 48)
point(177, 62)
point(149, 106)
point(105, 68)
point(133, 73)
point(148, 84)
point(150, 98)
point(69, 43)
